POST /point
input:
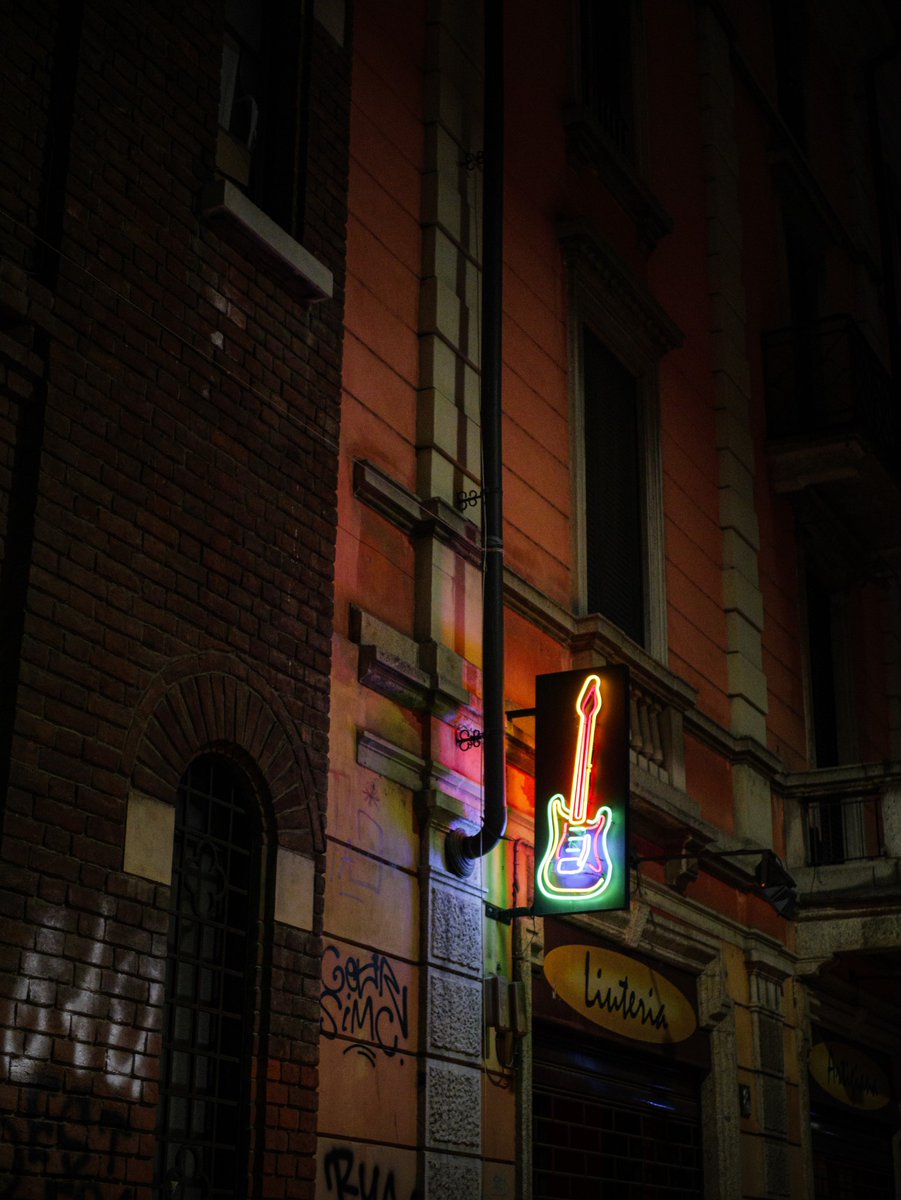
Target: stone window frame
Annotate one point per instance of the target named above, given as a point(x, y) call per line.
point(228, 201)
point(607, 298)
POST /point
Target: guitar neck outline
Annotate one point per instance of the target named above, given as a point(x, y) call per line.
point(589, 697)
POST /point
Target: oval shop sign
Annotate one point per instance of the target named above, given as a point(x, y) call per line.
point(849, 1075)
point(620, 994)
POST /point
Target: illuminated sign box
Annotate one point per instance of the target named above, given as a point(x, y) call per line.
point(582, 791)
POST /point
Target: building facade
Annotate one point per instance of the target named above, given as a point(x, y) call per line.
point(700, 422)
point(246, 336)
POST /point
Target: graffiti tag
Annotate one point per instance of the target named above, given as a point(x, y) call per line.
point(341, 1179)
point(363, 998)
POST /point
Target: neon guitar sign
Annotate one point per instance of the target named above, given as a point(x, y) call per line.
point(580, 838)
point(575, 862)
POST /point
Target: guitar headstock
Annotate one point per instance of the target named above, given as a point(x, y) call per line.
point(590, 701)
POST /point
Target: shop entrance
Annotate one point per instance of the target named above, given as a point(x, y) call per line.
point(612, 1123)
point(852, 1157)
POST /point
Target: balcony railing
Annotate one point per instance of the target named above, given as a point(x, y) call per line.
point(824, 379)
point(658, 699)
point(843, 829)
point(650, 738)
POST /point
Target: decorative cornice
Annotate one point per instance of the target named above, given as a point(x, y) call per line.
point(796, 785)
point(600, 269)
point(420, 675)
point(416, 517)
point(868, 885)
point(407, 674)
point(390, 761)
point(745, 751)
point(534, 606)
point(853, 778)
point(457, 792)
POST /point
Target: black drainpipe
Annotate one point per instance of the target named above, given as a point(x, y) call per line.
point(462, 850)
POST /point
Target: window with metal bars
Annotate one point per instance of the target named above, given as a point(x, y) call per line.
point(212, 967)
point(613, 510)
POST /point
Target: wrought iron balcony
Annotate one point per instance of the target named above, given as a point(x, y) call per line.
point(840, 829)
point(843, 833)
point(834, 434)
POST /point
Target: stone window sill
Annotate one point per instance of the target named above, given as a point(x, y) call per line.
point(258, 236)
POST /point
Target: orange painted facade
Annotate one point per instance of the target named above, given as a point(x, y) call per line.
point(672, 244)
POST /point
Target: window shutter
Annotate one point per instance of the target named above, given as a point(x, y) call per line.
point(614, 543)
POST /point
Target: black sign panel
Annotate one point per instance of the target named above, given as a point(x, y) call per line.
point(582, 791)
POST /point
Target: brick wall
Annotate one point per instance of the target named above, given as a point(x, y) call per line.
point(168, 448)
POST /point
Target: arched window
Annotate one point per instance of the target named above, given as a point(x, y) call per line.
point(214, 959)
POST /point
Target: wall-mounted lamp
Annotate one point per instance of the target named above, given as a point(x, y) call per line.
point(776, 885)
point(773, 882)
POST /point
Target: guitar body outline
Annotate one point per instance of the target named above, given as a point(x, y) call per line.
point(575, 850)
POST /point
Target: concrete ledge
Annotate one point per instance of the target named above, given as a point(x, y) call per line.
point(433, 517)
point(259, 237)
point(422, 675)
